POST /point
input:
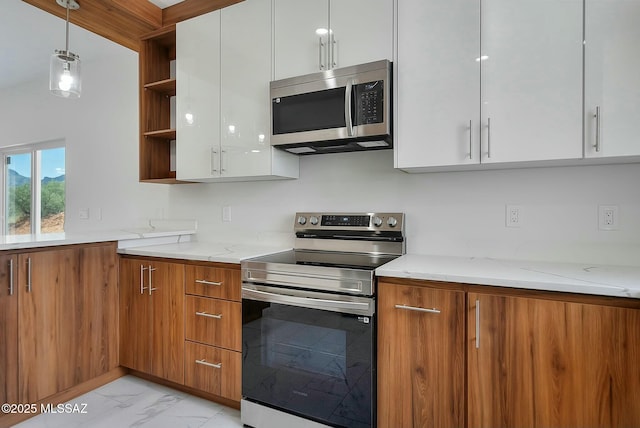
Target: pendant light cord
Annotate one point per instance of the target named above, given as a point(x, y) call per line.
point(67, 41)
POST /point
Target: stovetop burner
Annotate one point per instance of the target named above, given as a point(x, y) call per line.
point(335, 252)
point(332, 259)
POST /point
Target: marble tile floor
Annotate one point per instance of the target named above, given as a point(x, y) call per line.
point(133, 402)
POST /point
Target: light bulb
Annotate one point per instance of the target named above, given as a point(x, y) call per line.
point(66, 80)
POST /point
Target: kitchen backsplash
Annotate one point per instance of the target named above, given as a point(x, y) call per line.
point(453, 213)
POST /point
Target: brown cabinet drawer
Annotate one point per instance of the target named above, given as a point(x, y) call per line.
point(214, 370)
point(213, 282)
point(214, 322)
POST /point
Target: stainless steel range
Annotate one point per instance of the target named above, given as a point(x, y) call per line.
point(309, 323)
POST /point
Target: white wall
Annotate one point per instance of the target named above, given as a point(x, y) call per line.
point(457, 213)
point(101, 134)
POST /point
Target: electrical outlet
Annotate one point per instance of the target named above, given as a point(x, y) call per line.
point(513, 216)
point(84, 213)
point(608, 217)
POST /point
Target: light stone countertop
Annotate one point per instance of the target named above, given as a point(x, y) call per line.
point(606, 280)
point(204, 251)
point(157, 231)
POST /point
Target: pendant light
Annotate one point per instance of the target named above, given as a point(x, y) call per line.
point(64, 70)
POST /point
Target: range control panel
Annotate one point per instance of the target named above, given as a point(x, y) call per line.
point(349, 221)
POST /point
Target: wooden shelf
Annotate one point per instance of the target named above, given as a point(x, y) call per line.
point(157, 86)
point(167, 134)
point(165, 87)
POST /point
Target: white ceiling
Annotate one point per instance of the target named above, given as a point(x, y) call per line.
point(165, 3)
point(28, 37)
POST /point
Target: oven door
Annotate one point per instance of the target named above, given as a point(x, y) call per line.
point(309, 354)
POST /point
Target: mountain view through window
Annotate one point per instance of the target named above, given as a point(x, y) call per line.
point(39, 172)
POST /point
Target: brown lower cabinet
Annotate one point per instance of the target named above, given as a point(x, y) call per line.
point(528, 358)
point(152, 317)
point(548, 363)
point(181, 321)
point(58, 313)
point(420, 357)
point(8, 329)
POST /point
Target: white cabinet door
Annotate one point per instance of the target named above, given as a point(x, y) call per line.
point(245, 104)
point(612, 78)
point(531, 80)
point(246, 71)
point(318, 35)
point(361, 30)
point(198, 97)
point(438, 83)
point(300, 28)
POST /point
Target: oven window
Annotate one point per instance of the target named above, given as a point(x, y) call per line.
point(309, 112)
point(313, 363)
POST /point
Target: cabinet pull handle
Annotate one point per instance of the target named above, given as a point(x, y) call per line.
point(597, 116)
point(224, 163)
point(10, 277)
point(205, 363)
point(214, 163)
point(334, 48)
point(204, 314)
point(28, 274)
point(205, 282)
point(413, 308)
point(142, 287)
point(477, 324)
point(151, 289)
point(320, 46)
point(470, 139)
point(488, 138)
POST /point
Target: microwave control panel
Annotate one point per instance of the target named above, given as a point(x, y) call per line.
point(370, 99)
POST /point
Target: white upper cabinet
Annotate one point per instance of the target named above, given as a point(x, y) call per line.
point(531, 68)
point(245, 72)
point(300, 37)
point(491, 81)
point(437, 83)
point(361, 31)
point(612, 78)
point(198, 97)
point(224, 66)
point(319, 35)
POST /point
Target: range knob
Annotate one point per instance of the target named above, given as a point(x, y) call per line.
point(392, 222)
point(302, 220)
point(377, 221)
point(313, 220)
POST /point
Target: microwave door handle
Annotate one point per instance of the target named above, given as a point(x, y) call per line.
point(347, 108)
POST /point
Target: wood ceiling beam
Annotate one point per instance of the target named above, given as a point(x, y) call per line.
point(126, 21)
point(121, 21)
point(141, 9)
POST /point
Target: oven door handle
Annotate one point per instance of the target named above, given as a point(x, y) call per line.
point(307, 302)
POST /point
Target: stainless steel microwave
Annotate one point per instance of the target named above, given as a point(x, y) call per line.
point(341, 110)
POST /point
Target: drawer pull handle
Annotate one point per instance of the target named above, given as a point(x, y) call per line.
point(205, 363)
point(205, 282)
point(204, 314)
point(413, 308)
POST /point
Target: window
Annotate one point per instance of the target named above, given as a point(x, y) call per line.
point(34, 189)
